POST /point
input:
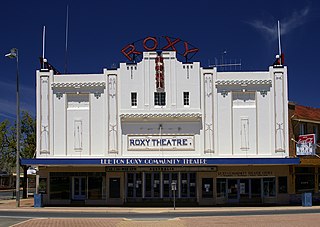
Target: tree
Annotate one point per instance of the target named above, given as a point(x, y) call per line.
point(27, 144)
point(7, 148)
point(28, 136)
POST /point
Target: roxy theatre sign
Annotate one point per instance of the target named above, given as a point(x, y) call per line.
point(157, 143)
point(183, 48)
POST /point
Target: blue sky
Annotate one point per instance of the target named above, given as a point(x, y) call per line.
point(98, 30)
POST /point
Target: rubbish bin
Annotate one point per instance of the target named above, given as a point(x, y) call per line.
point(37, 200)
point(307, 199)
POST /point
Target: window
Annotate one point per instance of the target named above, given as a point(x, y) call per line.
point(304, 183)
point(186, 101)
point(305, 179)
point(221, 187)
point(269, 187)
point(60, 187)
point(134, 185)
point(95, 186)
point(303, 128)
point(207, 187)
point(134, 101)
point(188, 184)
point(316, 132)
point(159, 98)
point(283, 186)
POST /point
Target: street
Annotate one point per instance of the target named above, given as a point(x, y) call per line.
point(135, 216)
point(238, 220)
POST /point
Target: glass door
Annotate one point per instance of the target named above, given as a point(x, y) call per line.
point(244, 190)
point(233, 195)
point(152, 185)
point(79, 186)
point(168, 179)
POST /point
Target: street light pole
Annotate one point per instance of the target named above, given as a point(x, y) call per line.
point(14, 54)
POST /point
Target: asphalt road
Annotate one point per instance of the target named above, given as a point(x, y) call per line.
point(8, 221)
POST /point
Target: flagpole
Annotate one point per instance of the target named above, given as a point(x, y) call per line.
point(279, 42)
point(43, 44)
point(66, 46)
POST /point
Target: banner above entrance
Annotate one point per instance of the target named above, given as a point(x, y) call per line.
point(159, 161)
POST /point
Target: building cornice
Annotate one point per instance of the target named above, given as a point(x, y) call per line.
point(306, 120)
point(78, 84)
point(160, 115)
point(243, 82)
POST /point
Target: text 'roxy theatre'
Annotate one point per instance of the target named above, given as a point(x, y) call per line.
point(158, 128)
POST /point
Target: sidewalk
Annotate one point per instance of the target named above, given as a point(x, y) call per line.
point(27, 205)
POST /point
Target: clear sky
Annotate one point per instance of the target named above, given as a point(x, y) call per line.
point(98, 30)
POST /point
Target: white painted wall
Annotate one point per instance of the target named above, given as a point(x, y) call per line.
point(231, 114)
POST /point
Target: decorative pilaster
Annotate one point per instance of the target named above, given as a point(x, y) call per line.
point(44, 115)
point(113, 115)
point(279, 112)
point(208, 115)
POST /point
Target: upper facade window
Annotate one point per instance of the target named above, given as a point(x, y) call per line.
point(134, 101)
point(159, 98)
point(186, 99)
point(303, 129)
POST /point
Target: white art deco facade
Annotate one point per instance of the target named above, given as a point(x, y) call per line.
point(132, 134)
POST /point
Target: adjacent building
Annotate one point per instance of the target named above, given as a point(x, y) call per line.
point(304, 125)
point(158, 130)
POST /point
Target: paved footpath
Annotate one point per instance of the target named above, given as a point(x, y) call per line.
point(275, 220)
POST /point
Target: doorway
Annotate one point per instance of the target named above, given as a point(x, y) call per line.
point(244, 190)
point(233, 195)
point(79, 186)
point(114, 187)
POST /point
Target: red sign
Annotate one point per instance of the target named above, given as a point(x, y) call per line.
point(185, 49)
point(306, 145)
point(159, 73)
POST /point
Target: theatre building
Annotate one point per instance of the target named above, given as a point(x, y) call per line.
point(159, 129)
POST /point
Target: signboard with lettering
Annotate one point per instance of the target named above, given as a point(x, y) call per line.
point(306, 145)
point(164, 43)
point(153, 161)
point(160, 143)
point(161, 169)
point(196, 161)
point(245, 173)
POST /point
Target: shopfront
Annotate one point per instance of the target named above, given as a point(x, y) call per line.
point(209, 183)
point(252, 185)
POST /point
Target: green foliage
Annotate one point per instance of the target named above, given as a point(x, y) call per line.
point(8, 141)
point(28, 136)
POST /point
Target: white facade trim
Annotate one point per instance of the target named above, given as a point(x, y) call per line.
point(78, 85)
point(160, 115)
point(243, 82)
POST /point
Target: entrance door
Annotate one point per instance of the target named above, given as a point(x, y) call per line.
point(244, 190)
point(168, 179)
point(114, 187)
point(79, 186)
point(233, 191)
point(152, 185)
